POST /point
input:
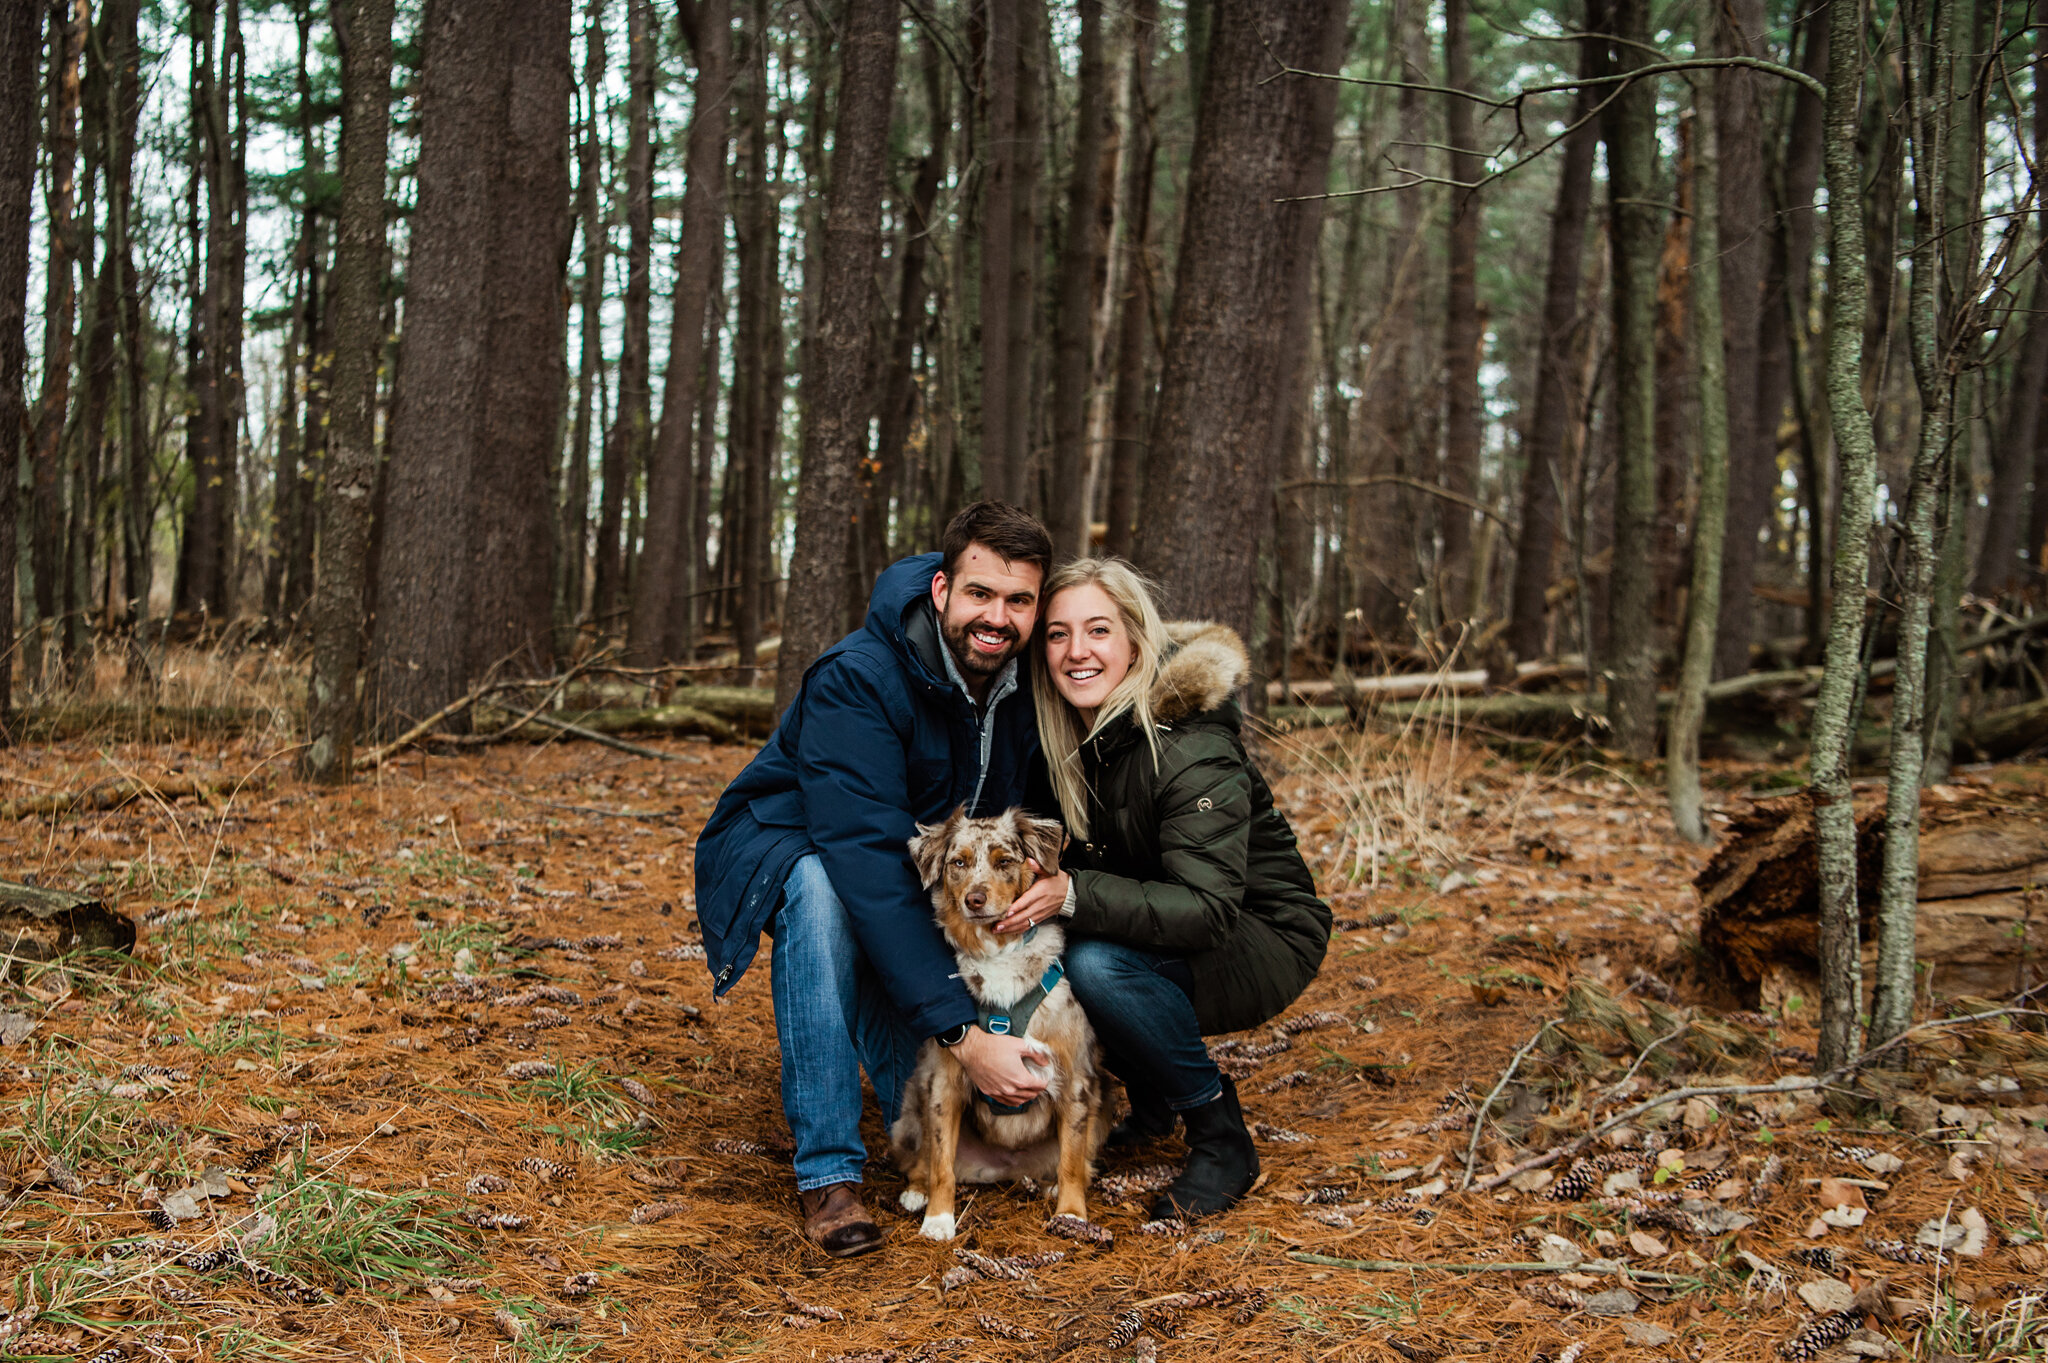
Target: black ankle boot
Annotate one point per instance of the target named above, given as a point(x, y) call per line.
point(1222, 1164)
point(1149, 1120)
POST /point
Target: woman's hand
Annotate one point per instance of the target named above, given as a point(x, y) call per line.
point(1043, 900)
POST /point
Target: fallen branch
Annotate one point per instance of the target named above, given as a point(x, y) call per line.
point(1791, 1083)
point(1479, 1114)
point(1621, 1271)
point(375, 756)
point(112, 794)
point(593, 736)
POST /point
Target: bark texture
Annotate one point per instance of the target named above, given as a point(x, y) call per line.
point(835, 387)
point(1464, 334)
point(1240, 304)
point(663, 575)
point(338, 626)
point(20, 43)
point(1066, 510)
point(462, 583)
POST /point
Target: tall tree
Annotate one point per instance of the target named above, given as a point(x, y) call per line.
point(1002, 474)
point(2003, 561)
point(573, 537)
point(1240, 305)
point(1856, 463)
point(1635, 234)
point(53, 403)
point(835, 384)
point(1550, 420)
point(1682, 742)
point(20, 44)
point(1459, 581)
point(1738, 31)
point(755, 419)
point(362, 30)
point(625, 445)
point(663, 574)
point(1073, 323)
point(1137, 151)
point(481, 371)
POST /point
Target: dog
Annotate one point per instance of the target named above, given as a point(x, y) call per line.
point(975, 869)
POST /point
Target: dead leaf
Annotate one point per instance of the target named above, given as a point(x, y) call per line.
point(1618, 1301)
point(1645, 1335)
point(1835, 1192)
point(1647, 1245)
point(1976, 1233)
point(1487, 995)
point(1826, 1295)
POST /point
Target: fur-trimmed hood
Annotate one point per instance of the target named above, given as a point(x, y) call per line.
point(1206, 667)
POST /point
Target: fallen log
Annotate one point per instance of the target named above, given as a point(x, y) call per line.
point(674, 720)
point(1982, 911)
point(115, 793)
point(40, 925)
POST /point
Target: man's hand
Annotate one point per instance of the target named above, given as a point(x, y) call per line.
point(1006, 1068)
point(1046, 897)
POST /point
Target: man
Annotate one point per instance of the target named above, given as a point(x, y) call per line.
point(927, 706)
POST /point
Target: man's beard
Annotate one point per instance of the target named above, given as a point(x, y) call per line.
point(964, 653)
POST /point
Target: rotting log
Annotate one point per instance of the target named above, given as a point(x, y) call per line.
point(38, 924)
point(1983, 894)
point(673, 720)
point(118, 722)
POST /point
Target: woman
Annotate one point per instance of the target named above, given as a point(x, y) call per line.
point(1190, 910)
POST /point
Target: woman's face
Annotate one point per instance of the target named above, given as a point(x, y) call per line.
point(1088, 648)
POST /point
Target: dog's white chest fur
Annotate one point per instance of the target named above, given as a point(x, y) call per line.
point(1000, 979)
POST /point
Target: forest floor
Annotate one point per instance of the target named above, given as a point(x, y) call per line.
point(571, 1151)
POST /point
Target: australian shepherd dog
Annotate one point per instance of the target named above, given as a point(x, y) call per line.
point(975, 869)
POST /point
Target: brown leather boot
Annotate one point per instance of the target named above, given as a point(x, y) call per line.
point(836, 1221)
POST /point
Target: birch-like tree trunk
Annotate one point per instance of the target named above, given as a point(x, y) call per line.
point(1856, 461)
point(1682, 738)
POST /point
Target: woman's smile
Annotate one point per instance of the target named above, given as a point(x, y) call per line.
point(1088, 648)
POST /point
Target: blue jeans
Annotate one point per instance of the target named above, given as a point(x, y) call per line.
point(1141, 1004)
point(833, 1018)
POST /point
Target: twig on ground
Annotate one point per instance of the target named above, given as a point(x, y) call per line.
point(376, 756)
point(1623, 1271)
point(606, 740)
point(1789, 1084)
point(655, 816)
point(1620, 1087)
point(1479, 1113)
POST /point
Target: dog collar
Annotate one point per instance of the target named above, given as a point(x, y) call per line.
point(1016, 1019)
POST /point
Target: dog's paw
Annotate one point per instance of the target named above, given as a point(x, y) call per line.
point(940, 1227)
point(911, 1200)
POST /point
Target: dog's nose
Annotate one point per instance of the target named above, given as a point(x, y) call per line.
point(977, 900)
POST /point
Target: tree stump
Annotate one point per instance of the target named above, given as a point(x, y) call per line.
point(40, 925)
point(1983, 896)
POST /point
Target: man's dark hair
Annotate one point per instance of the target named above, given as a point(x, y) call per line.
point(1013, 533)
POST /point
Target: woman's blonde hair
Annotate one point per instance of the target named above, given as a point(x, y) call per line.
point(1059, 724)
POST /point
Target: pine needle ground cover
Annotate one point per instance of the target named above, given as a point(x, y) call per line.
point(429, 1069)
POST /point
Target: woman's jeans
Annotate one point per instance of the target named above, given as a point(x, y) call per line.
point(1141, 1004)
point(833, 1018)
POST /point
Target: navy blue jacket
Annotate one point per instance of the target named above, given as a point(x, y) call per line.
point(879, 739)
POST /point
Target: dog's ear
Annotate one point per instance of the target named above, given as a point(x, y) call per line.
point(1043, 839)
point(928, 848)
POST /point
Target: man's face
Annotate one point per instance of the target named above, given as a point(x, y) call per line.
point(986, 611)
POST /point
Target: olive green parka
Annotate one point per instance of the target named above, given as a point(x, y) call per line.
point(1189, 855)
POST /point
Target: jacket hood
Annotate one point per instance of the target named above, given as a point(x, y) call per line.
point(902, 588)
point(1207, 666)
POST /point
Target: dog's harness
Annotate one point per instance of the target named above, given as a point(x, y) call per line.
point(1016, 1021)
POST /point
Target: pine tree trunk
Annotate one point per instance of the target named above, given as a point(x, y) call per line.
point(1459, 585)
point(898, 402)
point(1631, 136)
point(20, 46)
point(1240, 304)
point(1138, 151)
point(1745, 233)
point(363, 30)
point(690, 609)
point(1073, 328)
point(757, 397)
point(53, 402)
point(1001, 467)
point(575, 532)
point(700, 254)
point(121, 24)
point(1550, 422)
point(2036, 546)
point(481, 376)
point(1027, 471)
point(836, 394)
point(625, 444)
point(1682, 739)
point(1856, 457)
